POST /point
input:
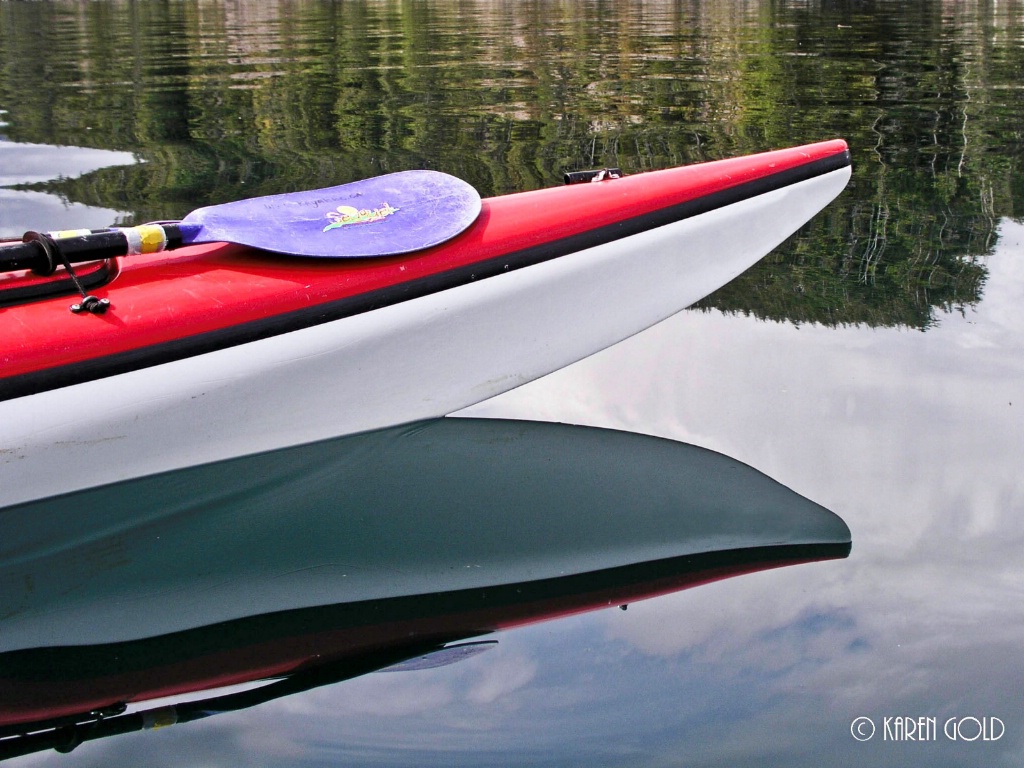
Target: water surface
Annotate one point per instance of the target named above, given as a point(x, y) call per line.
point(872, 364)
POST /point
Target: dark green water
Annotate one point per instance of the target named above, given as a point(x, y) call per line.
point(808, 367)
point(229, 100)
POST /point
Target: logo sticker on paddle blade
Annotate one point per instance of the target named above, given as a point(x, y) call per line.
point(346, 214)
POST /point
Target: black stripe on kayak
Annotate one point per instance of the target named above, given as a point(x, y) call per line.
point(275, 325)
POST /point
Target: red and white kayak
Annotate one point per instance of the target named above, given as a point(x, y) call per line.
point(216, 350)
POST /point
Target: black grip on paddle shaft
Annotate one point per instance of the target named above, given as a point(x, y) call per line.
point(43, 253)
point(35, 252)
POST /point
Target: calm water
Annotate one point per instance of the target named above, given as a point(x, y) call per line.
point(872, 364)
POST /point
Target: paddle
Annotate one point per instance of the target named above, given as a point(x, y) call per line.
point(65, 735)
point(383, 216)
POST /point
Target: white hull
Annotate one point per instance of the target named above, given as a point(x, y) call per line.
point(418, 359)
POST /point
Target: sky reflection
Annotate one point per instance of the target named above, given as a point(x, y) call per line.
point(916, 440)
point(22, 209)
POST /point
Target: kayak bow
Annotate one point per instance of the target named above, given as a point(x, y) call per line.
point(219, 350)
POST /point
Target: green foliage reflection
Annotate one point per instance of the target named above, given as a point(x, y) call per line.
point(227, 100)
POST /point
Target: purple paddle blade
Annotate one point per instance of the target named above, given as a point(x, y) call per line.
point(383, 216)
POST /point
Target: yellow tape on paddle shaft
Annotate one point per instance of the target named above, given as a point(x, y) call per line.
point(147, 238)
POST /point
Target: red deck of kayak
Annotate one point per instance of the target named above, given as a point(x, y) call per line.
point(160, 298)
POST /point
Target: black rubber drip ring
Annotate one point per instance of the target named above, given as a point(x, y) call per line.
point(50, 250)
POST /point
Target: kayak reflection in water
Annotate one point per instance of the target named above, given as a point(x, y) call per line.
point(312, 565)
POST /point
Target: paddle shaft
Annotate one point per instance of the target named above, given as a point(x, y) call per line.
point(64, 737)
point(43, 253)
